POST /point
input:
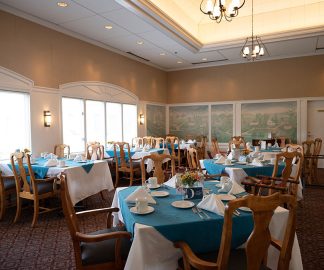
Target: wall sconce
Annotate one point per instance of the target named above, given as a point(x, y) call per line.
point(142, 119)
point(47, 118)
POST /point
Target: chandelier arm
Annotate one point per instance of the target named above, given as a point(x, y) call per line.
point(241, 5)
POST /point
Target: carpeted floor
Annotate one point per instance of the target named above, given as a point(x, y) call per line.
point(48, 246)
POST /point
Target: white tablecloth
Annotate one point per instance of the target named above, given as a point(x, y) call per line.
point(80, 183)
point(152, 251)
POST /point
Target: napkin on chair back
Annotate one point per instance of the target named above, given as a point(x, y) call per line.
point(140, 193)
point(213, 204)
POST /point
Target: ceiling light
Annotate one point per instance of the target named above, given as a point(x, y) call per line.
point(179, 62)
point(253, 47)
point(108, 27)
point(162, 53)
point(204, 59)
point(217, 10)
point(62, 4)
point(140, 42)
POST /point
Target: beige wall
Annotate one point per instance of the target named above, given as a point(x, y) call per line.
point(287, 78)
point(50, 58)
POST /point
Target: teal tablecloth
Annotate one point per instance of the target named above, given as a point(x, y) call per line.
point(182, 224)
point(250, 170)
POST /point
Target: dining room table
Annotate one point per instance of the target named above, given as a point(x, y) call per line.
point(84, 177)
point(238, 171)
point(153, 234)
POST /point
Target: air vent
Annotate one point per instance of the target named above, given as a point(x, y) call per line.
point(133, 54)
point(206, 62)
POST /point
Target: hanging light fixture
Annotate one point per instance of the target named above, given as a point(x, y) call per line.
point(253, 47)
point(216, 9)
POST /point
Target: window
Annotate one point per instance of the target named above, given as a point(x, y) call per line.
point(95, 121)
point(15, 122)
point(129, 122)
point(114, 121)
point(88, 120)
point(73, 123)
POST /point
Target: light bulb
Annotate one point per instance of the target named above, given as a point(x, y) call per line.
point(236, 3)
point(246, 51)
point(222, 2)
point(261, 51)
point(257, 49)
point(231, 9)
point(216, 12)
point(209, 6)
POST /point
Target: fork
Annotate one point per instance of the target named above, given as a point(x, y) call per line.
point(202, 212)
point(194, 209)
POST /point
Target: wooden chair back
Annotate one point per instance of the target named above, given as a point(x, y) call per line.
point(20, 173)
point(159, 172)
point(295, 147)
point(95, 151)
point(123, 161)
point(309, 147)
point(61, 149)
point(172, 140)
point(317, 146)
point(237, 141)
point(214, 147)
point(137, 142)
point(157, 142)
point(260, 239)
point(148, 140)
point(193, 160)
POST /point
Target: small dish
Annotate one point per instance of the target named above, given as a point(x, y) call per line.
point(153, 187)
point(225, 197)
point(160, 193)
point(149, 210)
point(182, 204)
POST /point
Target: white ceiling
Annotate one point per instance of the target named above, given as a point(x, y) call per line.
point(134, 20)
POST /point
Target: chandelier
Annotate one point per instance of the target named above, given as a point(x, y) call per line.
point(216, 9)
point(253, 47)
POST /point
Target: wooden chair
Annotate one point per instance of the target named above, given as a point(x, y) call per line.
point(176, 153)
point(148, 140)
point(32, 188)
point(104, 249)
point(95, 151)
point(237, 141)
point(286, 183)
point(137, 142)
point(125, 164)
point(294, 147)
point(254, 255)
point(7, 189)
point(317, 151)
point(202, 146)
point(193, 160)
point(61, 149)
point(158, 171)
point(157, 142)
point(309, 149)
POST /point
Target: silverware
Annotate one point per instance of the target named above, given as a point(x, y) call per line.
point(194, 209)
point(202, 212)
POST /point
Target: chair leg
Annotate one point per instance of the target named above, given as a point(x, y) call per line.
point(117, 179)
point(36, 211)
point(131, 178)
point(2, 205)
point(18, 211)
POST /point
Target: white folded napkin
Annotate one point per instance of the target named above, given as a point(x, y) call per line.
point(190, 141)
point(230, 156)
point(226, 187)
point(213, 204)
point(140, 193)
point(78, 158)
point(217, 156)
point(171, 182)
point(51, 162)
point(236, 189)
point(110, 146)
point(220, 160)
point(276, 145)
point(257, 162)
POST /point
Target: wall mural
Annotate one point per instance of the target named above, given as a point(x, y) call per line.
point(188, 120)
point(258, 119)
point(156, 120)
point(222, 122)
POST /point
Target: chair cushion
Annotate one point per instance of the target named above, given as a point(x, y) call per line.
point(103, 251)
point(9, 184)
point(237, 259)
point(43, 187)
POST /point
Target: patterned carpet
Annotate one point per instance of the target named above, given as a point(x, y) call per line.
point(48, 246)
